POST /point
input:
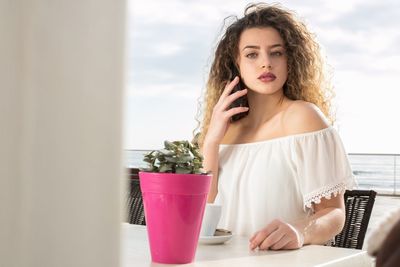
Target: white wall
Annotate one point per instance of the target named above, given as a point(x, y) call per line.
point(61, 80)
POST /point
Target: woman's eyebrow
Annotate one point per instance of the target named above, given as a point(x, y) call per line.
point(251, 46)
point(258, 47)
point(276, 45)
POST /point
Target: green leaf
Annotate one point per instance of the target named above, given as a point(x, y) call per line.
point(185, 158)
point(166, 152)
point(177, 156)
point(171, 159)
point(182, 170)
point(165, 168)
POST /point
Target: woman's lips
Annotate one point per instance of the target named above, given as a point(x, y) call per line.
point(267, 77)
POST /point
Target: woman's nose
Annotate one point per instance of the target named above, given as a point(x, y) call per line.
point(266, 62)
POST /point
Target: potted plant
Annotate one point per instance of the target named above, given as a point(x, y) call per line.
point(174, 189)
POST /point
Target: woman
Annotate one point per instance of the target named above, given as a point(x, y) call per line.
point(280, 171)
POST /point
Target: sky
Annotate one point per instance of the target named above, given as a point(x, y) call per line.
point(170, 46)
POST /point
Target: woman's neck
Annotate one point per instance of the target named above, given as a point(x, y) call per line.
point(264, 107)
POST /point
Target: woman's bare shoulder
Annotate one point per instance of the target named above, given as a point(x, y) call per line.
point(303, 117)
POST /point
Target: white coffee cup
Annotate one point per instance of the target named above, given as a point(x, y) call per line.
point(211, 217)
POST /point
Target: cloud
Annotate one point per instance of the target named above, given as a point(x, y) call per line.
point(175, 12)
point(370, 51)
point(375, 15)
point(171, 43)
point(167, 48)
point(364, 38)
point(165, 91)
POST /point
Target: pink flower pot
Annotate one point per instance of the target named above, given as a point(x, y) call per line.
point(174, 207)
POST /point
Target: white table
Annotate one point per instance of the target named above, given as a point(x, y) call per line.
point(136, 252)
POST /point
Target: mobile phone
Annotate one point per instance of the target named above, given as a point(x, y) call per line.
point(241, 101)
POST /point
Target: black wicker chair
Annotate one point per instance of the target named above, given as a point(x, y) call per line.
point(359, 204)
point(134, 199)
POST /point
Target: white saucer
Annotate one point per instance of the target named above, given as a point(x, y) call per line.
point(220, 237)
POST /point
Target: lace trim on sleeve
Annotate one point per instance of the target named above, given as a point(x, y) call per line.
point(327, 192)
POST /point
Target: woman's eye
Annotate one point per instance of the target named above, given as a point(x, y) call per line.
point(251, 55)
point(276, 53)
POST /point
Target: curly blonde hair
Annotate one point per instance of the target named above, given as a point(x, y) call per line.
point(306, 71)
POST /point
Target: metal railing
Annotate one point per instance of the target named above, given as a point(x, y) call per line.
point(133, 158)
point(376, 171)
point(372, 171)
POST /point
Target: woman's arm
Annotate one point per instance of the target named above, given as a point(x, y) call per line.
point(324, 224)
point(327, 221)
point(210, 164)
point(217, 129)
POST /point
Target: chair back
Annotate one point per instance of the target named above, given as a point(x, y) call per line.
point(359, 204)
point(134, 199)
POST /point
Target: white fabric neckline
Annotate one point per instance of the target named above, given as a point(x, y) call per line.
point(272, 140)
point(306, 166)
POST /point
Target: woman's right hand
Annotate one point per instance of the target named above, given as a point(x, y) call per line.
point(221, 115)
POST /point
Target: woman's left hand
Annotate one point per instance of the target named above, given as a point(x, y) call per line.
point(277, 235)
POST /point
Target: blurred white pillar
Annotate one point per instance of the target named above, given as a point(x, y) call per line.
point(61, 80)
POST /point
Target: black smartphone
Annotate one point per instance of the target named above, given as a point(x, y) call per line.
point(241, 101)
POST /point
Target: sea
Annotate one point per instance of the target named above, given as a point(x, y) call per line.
point(379, 172)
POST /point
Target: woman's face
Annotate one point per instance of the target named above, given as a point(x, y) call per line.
point(262, 60)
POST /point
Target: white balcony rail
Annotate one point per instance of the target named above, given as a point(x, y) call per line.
point(372, 171)
point(376, 171)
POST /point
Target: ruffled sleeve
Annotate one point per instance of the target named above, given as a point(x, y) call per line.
point(323, 168)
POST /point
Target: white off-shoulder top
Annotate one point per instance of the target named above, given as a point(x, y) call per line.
point(279, 178)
